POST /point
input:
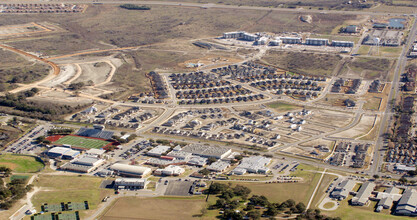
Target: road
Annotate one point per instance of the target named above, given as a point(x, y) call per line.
point(386, 118)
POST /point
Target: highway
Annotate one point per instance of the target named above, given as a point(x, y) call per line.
point(386, 118)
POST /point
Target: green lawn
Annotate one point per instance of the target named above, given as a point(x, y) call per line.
point(82, 142)
point(69, 189)
point(21, 163)
point(282, 107)
point(279, 192)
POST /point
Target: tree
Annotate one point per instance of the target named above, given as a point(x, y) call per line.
point(255, 214)
point(240, 190)
point(216, 188)
point(204, 172)
point(272, 210)
point(300, 208)
point(238, 157)
point(220, 203)
point(376, 176)
point(403, 180)
point(211, 160)
point(259, 200)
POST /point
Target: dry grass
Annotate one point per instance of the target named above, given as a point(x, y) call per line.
point(154, 208)
point(308, 63)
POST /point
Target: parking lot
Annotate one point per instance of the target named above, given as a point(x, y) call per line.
point(178, 188)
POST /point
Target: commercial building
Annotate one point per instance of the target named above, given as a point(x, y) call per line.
point(336, 43)
point(180, 155)
point(130, 170)
point(207, 151)
point(158, 151)
point(351, 29)
point(363, 194)
point(63, 152)
point(317, 41)
point(255, 164)
point(130, 183)
point(197, 161)
point(170, 170)
point(342, 190)
point(95, 152)
point(219, 166)
point(291, 40)
point(387, 197)
point(84, 164)
point(407, 204)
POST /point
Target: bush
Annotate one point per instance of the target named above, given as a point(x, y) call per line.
point(135, 7)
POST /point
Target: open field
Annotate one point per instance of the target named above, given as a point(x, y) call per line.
point(16, 69)
point(365, 125)
point(160, 24)
point(94, 73)
point(308, 63)
point(21, 163)
point(377, 101)
point(83, 142)
point(61, 188)
point(335, 99)
point(281, 107)
point(279, 192)
point(368, 68)
point(155, 208)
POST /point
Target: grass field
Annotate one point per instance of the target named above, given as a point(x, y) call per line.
point(155, 208)
point(82, 142)
point(279, 192)
point(69, 189)
point(307, 63)
point(368, 68)
point(282, 107)
point(20, 163)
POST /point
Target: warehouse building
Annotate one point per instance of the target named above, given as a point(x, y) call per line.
point(407, 204)
point(254, 164)
point(158, 151)
point(342, 190)
point(336, 43)
point(130, 183)
point(63, 152)
point(317, 41)
point(197, 161)
point(219, 166)
point(291, 40)
point(233, 35)
point(130, 170)
point(170, 170)
point(180, 155)
point(351, 29)
point(363, 194)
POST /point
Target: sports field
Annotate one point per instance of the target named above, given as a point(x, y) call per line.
point(21, 163)
point(83, 142)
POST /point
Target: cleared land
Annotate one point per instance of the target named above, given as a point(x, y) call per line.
point(82, 142)
point(155, 208)
point(60, 188)
point(21, 163)
point(307, 63)
point(368, 68)
point(365, 125)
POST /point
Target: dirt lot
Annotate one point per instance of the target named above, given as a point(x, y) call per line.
point(154, 208)
point(94, 72)
point(362, 128)
point(308, 63)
